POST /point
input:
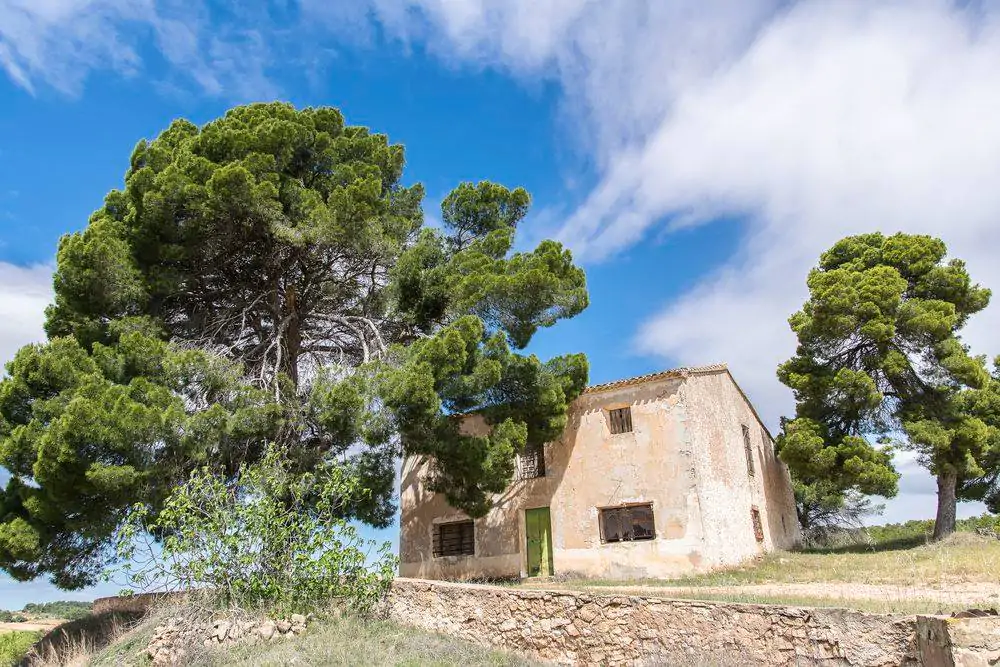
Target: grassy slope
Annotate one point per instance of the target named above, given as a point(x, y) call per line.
point(334, 642)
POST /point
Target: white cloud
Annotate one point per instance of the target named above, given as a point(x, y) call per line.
point(60, 42)
point(24, 294)
point(809, 120)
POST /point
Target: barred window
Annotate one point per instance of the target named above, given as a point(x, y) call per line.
point(758, 527)
point(532, 462)
point(457, 538)
point(627, 523)
point(620, 420)
point(749, 448)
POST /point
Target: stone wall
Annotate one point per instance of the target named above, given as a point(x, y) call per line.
point(576, 628)
point(565, 627)
point(173, 640)
point(139, 603)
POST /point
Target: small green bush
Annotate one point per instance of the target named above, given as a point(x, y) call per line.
point(14, 645)
point(270, 539)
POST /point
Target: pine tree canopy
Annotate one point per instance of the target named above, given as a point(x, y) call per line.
point(268, 277)
point(879, 357)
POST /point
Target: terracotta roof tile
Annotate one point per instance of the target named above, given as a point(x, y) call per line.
point(650, 377)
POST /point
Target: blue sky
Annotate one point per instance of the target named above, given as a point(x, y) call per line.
point(696, 156)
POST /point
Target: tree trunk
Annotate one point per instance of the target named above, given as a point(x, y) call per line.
point(944, 524)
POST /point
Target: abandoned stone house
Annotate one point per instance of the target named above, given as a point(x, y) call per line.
point(655, 476)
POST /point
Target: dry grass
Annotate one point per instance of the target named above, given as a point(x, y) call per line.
point(338, 641)
point(958, 573)
point(75, 642)
point(962, 558)
point(349, 641)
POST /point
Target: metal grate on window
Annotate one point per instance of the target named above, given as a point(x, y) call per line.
point(749, 448)
point(532, 462)
point(758, 527)
point(457, 538)
point(627, 523)
point(620, 420)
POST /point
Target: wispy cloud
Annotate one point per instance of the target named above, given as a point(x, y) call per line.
point(59, 43)
point(809, 120)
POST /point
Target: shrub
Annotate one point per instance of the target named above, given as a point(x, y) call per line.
point(14, 646)
point(270, 539)
point(67, 609)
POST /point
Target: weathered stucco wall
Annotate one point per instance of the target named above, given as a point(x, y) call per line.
point(685, 455)
point(570, 628)
point(716, 413)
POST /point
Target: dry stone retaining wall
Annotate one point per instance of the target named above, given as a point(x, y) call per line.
point(576, 628)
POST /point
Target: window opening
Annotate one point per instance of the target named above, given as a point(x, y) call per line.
point(620, 420)
point(457, 538)
point(758, 527)
point(627, 523)
point(749, 449)
point(532, 462)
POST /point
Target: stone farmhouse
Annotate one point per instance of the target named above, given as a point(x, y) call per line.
point(655, 476)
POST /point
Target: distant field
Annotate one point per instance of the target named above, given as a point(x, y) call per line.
point(37, 625)
point(961, 572)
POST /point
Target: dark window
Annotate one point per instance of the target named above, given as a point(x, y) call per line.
point(620, 420)
point(457, 538)
point(758, 527)
point(532, 462)
point(749, 448)
point(631, 522)
point(784, 528)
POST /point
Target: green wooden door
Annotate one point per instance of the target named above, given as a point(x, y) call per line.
point(538, 527)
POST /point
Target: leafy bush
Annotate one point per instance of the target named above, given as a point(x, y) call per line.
point(270, 539)
point(11, 617)
point(68, 609)
point(14, 645)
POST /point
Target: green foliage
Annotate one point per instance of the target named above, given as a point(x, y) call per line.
point(271, 540)
point(86, 433)
point(879, 352)
point(919, 531)
point(12, 617)
point(14, 646)
point(65, 609)
point(267, 278)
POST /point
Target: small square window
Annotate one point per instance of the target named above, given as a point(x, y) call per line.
point(456, 538)
point(532, 462)
point(620, 420)
point(628, 523)
point(758, 527)
point(749, 449)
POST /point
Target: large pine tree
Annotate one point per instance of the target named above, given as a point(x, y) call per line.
point(268, 277)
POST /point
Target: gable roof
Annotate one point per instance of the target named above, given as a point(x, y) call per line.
point(683, 371)
point(651, 377)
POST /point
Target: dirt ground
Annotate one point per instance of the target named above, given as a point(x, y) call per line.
point(41, 624)
point(951, 594)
